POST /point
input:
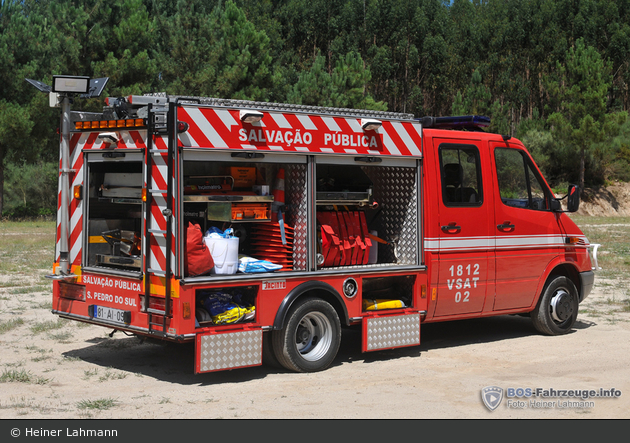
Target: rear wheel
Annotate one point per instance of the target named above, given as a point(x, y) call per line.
point(557, 308)
point(310, 339)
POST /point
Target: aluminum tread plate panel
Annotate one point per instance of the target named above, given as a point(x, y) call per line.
point(229, 350)
point(393, 331)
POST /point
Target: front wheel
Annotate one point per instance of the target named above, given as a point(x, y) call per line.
point(310, 340)
point(557, 308)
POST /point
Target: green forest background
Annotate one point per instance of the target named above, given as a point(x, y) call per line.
point(554, 73)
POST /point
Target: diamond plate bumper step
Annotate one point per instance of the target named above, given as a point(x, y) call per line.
point(228, 350)
point(391, 331)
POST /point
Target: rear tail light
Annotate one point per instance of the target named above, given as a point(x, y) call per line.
point(182, 127)
point(71, 291)
point(155, 303)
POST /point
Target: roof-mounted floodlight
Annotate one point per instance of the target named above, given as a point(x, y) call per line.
point(369, 124)
point(249, 116)
point(73, 84)
point(108, 137)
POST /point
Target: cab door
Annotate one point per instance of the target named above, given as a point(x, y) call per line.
point(465, 274)
point(528, 235)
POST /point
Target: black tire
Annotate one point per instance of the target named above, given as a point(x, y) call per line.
point(311, 337)
point(557, 308)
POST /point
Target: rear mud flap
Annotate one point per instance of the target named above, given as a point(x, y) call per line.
point(391, 331)
point(228, 350)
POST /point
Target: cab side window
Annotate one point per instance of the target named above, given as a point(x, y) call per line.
point(519, 185)
point(461, 175)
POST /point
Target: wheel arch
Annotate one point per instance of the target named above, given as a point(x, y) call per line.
point(560, 269)
point(316, 289)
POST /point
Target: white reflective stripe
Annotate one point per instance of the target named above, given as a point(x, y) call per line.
point(154, 263)
point(160, 201)
point(162, 169)
point(78, 178)
point(280, 120)
point(83, 139)
point(390, 145)
point(402, 133)
point(306, 122)
point(226, 118)
point(76, 216)
point(468, 243)
point(418, 129)
point(331, 123)
point(354, 125)
point(530, 241)
point(431, 244)
point(127, 139)
point(75, 250)
point(206, 128)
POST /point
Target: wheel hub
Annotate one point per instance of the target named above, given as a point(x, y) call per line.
point(313, 336)
point(302, 335)
point(561, 306)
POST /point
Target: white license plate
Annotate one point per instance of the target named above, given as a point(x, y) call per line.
point(110, 314)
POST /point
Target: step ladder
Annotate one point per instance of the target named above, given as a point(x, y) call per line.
point(158, 244)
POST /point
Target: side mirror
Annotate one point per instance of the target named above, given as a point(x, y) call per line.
point(573, 198)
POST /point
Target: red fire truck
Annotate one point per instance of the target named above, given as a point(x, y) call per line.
point(311, 220)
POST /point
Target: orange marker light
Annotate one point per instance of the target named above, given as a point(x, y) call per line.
point(77, 192)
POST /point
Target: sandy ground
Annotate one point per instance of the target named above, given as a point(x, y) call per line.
point(71, 370)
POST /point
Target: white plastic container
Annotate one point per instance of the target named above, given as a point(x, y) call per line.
point(224, 252)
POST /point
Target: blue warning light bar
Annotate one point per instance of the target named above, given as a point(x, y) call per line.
point(469, 122)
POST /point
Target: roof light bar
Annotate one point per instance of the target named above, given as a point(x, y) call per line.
point(470, 122)
point(101, 124)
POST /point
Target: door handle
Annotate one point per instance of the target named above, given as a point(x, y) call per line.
point(506, 226)
point(451, 227)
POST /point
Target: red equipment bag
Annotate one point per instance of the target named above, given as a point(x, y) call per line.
point(345, 238)
point(332, 249)
point(198, 260)
point(366, 237)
